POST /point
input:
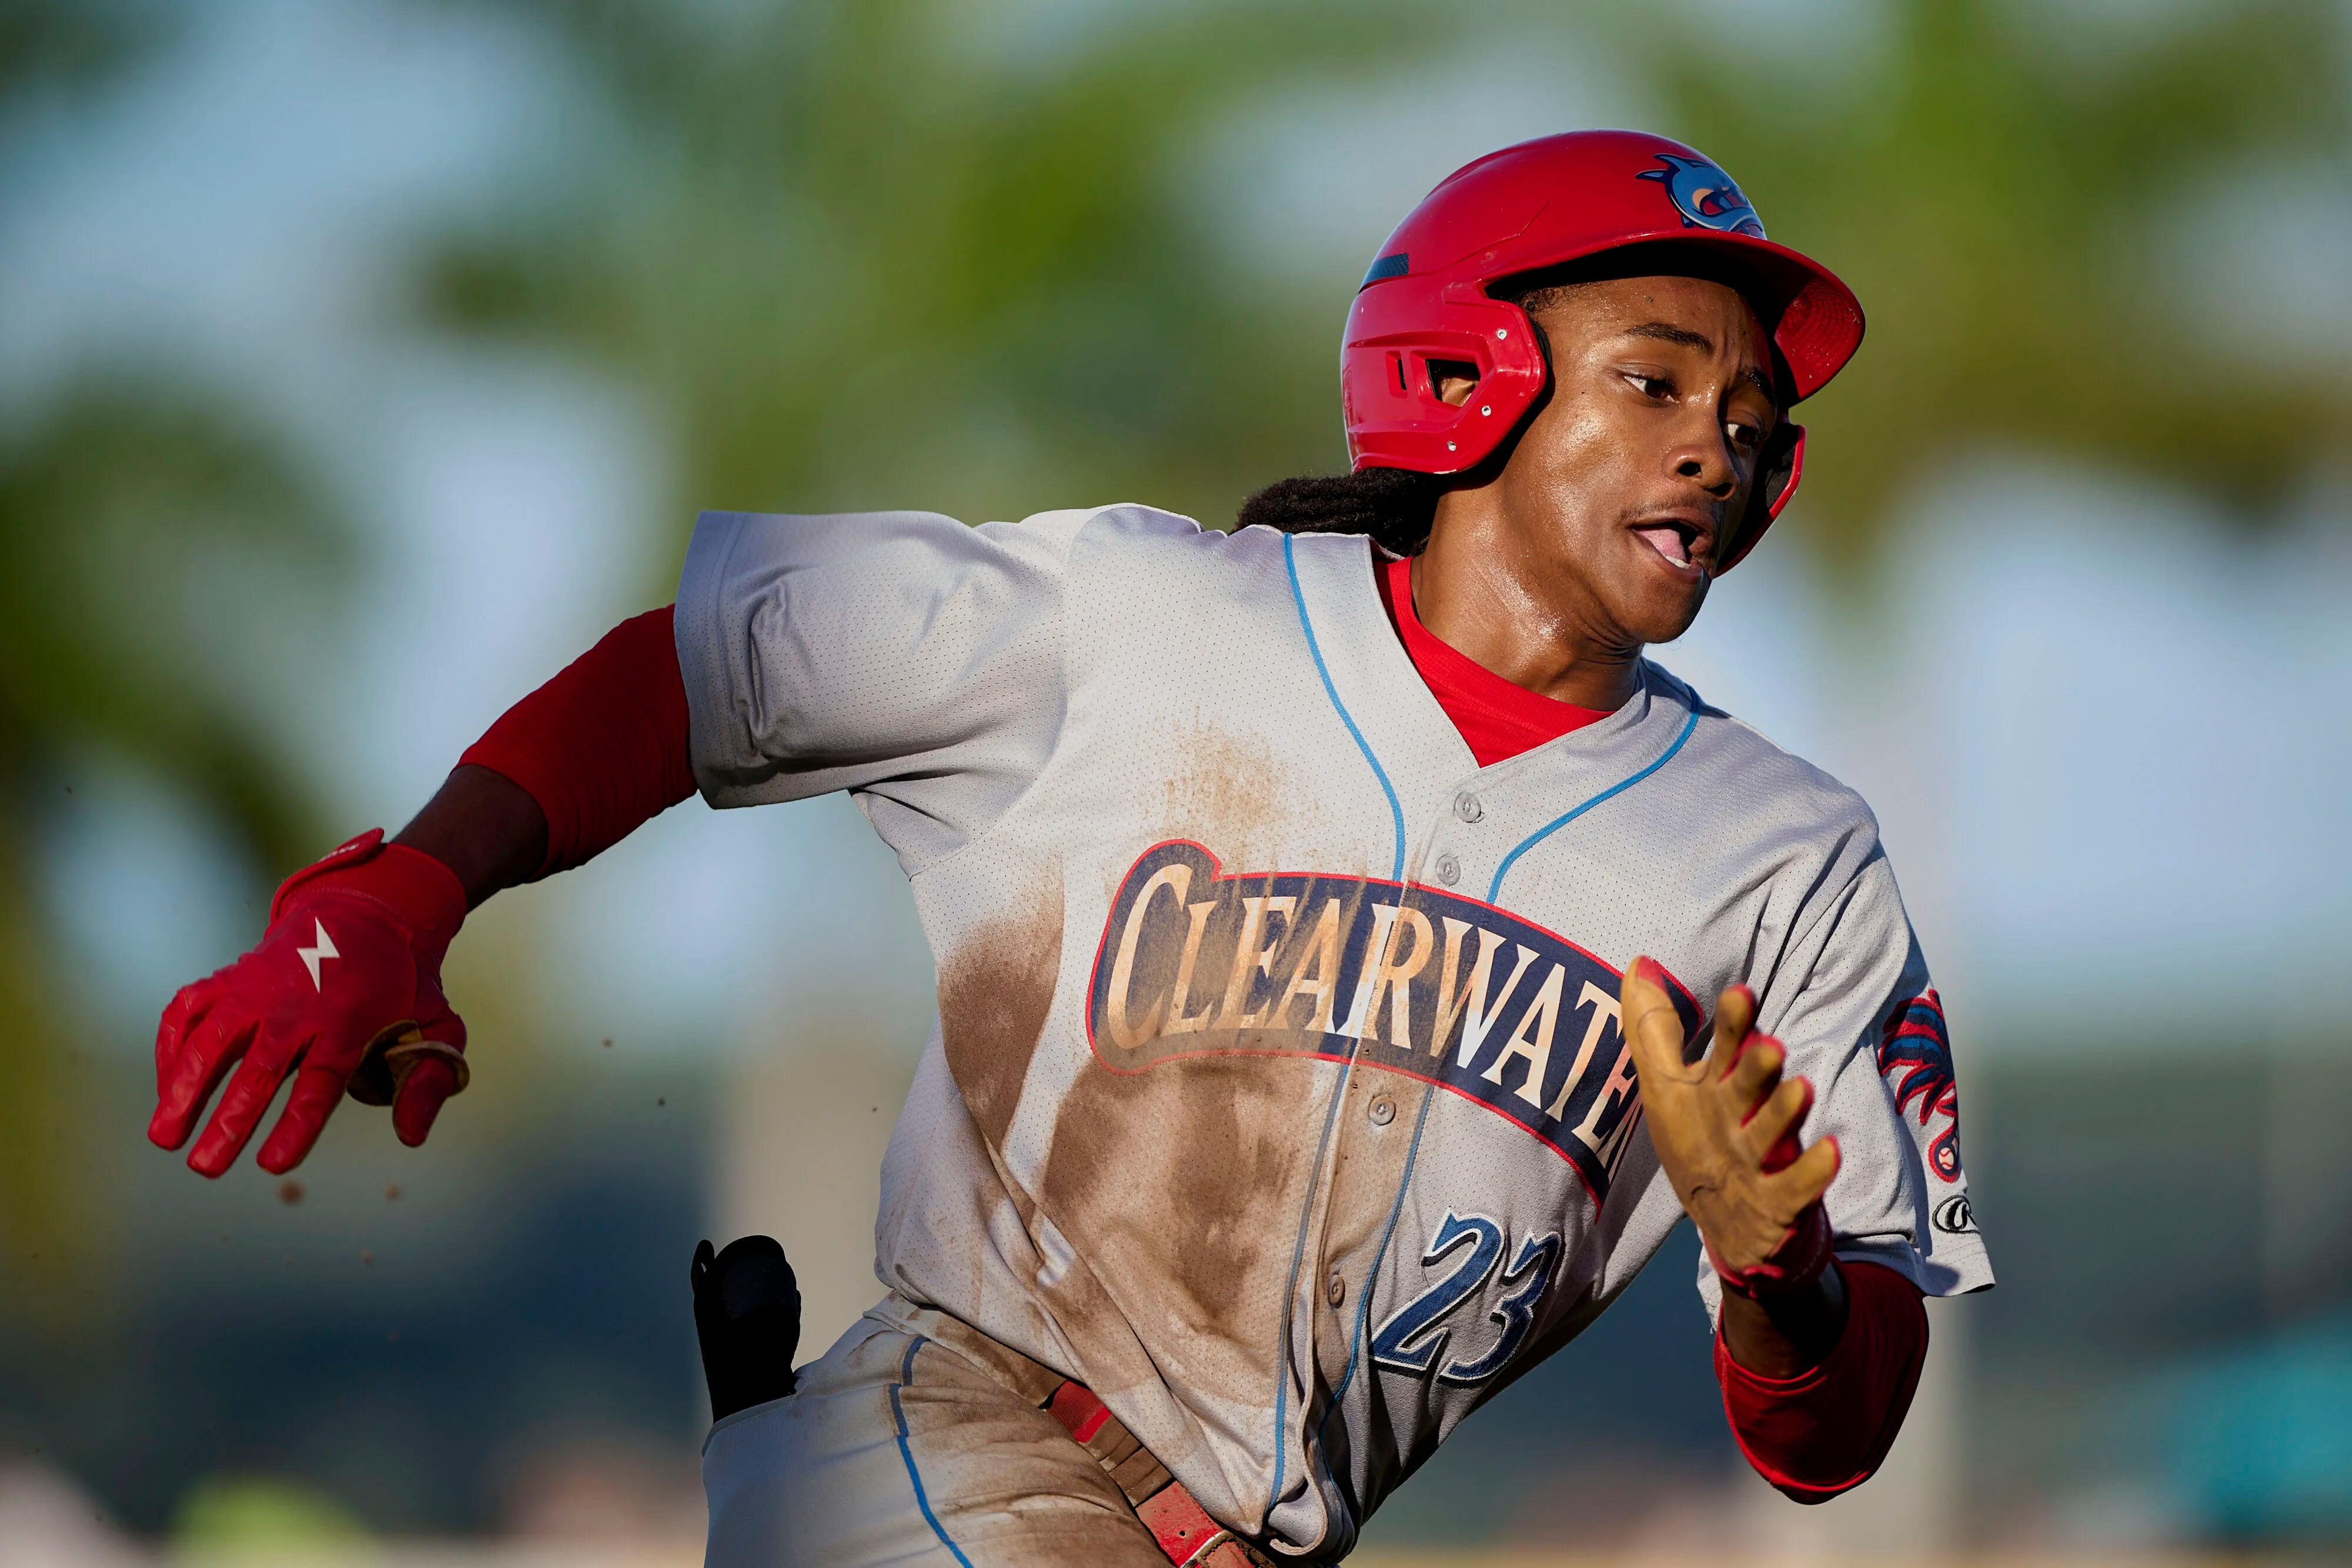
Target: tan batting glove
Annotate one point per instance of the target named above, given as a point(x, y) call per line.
point(1726, 1133)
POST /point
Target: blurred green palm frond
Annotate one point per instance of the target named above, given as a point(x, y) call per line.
point(116, 510)
point(1995, 200)
point(872, 254)
point(859, 255)
point(115, 505)
point(71, 43)
point(122, 498)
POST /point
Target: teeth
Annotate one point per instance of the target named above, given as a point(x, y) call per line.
point(1669, 543)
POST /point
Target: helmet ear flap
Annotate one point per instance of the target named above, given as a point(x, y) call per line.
point(1776, 480)
point(1398, 337)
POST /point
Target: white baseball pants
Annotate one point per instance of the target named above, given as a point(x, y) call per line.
point(913, 1441)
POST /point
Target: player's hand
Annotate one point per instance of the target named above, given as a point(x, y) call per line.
point(1725, 1131)
point(343, 991)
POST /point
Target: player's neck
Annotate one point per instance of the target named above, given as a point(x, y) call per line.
point(1483, 598)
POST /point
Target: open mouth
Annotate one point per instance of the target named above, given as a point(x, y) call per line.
point(1674, 541)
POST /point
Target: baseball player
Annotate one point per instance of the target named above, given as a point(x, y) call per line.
point(1354, 954)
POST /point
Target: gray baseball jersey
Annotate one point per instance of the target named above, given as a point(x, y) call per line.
point(1278, 1094)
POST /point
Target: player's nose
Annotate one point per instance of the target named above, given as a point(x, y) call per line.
point(1702, 452)
point(1703, 459)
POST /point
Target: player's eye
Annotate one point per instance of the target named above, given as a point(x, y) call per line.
point(1657, 389)
point(1745, 436)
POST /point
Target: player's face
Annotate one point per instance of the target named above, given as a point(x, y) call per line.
point(1629, 481)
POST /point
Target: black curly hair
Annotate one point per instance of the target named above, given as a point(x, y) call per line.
point(1394, 506)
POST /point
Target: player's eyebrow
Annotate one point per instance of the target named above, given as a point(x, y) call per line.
point(1667, 332)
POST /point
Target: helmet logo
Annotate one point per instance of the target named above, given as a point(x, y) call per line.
point(1705, 195)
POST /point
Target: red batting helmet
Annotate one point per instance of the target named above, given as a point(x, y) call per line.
point(1537, 204)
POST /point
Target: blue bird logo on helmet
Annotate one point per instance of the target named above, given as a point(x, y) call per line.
point(1705, 195)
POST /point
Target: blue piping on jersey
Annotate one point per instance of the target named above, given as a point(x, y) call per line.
point(1396, 808)
point(1565, 818)
point(899, 1414)
point(1412, 1152)
point(1338, 1090)
point(1298, 1256)
point(1364, 1297)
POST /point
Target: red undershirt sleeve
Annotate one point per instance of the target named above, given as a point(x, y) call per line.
point(603, 747)
point(1825, 1431)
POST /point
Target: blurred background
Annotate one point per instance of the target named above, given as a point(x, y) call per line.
point(362, 360)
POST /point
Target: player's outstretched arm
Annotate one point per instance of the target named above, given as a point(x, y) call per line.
point(490, 830)
point(343, 991)
point(1725, 1131)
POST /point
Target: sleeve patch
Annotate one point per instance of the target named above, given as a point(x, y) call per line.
point(1914, 1056)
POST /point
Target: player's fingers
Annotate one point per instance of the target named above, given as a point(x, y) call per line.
point(1754, 1072)
point(430, 1083)
point(1735, 1015)
point(1653, 1032)
point(211, 1046)
point(180, 1015)
point(316, 1092)
point(1781, 1113)
point(250, 1092)
point(417, 1101)
point(1807, 1178)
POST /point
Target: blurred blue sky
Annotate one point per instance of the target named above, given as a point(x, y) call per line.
point(2106, 734)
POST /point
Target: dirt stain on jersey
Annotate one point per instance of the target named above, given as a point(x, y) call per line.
point(995, 990)
point(1191, 1176)
point(1234, 793)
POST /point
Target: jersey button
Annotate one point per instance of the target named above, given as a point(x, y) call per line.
point(1334, 1290)
point(1449, 870)
point(1382, 1110)
point(1466, 807)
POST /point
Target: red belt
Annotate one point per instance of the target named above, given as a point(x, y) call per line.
point(1181, 1526)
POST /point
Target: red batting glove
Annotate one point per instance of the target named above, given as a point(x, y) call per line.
point(344, 990)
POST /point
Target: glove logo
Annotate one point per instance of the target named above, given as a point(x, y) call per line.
point(312, 956)
point(1705, 195)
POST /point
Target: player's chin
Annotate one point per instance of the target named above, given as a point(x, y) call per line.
point(1658, 606)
